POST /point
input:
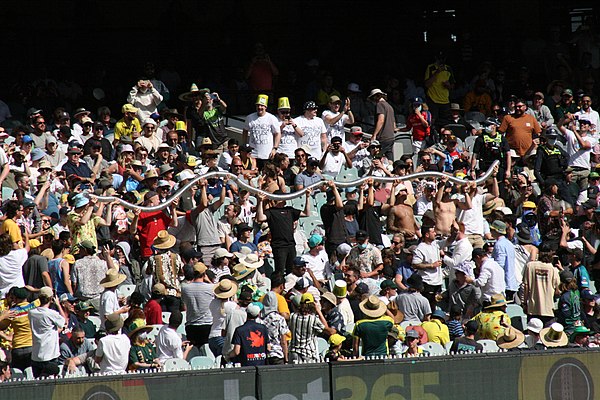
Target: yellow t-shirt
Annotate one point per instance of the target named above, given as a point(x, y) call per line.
point(79, 233)
point(12, 228)
point(437, 91)
point(20, 324)
point(124, 130)
point(437, 331)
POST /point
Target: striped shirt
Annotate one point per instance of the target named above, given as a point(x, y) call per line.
point(304, 330)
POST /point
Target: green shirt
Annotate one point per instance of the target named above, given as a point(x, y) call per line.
point(141, 353)
point(373, 333)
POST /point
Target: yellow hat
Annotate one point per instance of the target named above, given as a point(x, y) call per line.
point(529, 204)
point(262, 100)
point(192, 161)
point(128, 108)
point(340, 289)
point(181, 126)
point(460, 175)
point(34, 243)
point(336, 339)
point(69, 258)
point(283, 103)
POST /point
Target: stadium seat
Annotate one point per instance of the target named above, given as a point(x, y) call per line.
point(205, 352)
point(434, 349)
point(489, 346)
point(202, 362)
point(458, 130)
point(165, 317)
point(347, 175)
point(17, 373)
point(95, 320)
point(152, 334)
point(322, 346)
point(29, 373)
point(447, 346)
point(469, 143)
point(350, 327)
point(176, 364)
point(126, 290)
point(310, 223)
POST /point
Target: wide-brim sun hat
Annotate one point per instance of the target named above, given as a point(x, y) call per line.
point(225, 289)
point(510, 339)
point(497, 301)
point(164, 240)
point(252, 261)
point(241, 271)
point(113, 278)
point(372, 307)
point(138, 326)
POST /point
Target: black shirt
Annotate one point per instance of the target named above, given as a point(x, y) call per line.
point(107, 148)
point(333, 220)
point(281, 222)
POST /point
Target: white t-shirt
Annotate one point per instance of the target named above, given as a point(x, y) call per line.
point(317, 263)
point(579, 157)
point(333, 164)
point(289, 139)
point(422, 205)
point(591, 116)
point(218, 315)
point(109, 303)
point(260, 134)
point(44, 328)
point(336, 129)
point(357, 161)
point(11, 272)
point(114, 350)
point(429, 253)
point(473, 218)
point(313, 129)
point(168, 344)
point(225, 160)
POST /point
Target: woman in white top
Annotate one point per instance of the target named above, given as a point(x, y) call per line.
point(336, 117)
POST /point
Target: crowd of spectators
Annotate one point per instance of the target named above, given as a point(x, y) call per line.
point(257, 280)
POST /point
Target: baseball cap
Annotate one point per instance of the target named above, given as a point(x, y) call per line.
point(128, 108)
point(253, 310)
point(361, 234)
point(568, 92)
point(310, 105)
point(472, 326)
point(299, 262)
point(307, 298)
point(412, 334)
point(315, 240)
point(302, 283)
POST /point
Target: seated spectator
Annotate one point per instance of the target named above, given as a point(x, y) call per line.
point(467, 343)
point(142, 355)
point(168, 342)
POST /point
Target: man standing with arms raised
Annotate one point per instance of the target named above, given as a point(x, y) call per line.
point(262, 132)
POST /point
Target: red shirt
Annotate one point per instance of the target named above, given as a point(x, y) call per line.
point(149, 224)
point(153, 313)
point(419, 131)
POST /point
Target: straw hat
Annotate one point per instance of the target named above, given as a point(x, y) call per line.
point(240, 271)
point(554, 336)
point(512, 338)
point(372, 307)
point(497, 301)
point(113, 323)
point(138, 326)
point(164, 240)
point(113, 278)
point(489, 207)
point(252, 261)
point(225, 289)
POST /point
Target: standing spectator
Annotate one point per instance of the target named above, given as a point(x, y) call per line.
point(168, 341)
point(262, 132)
point(205, 222)
point(152, 308)
point(569, 303)
point(250, 340)
point(586, 113)
point(277, 328)
point(109, 303)
point(281, 220)
point(112, 353)
point(580, 144)
point(305, 325)
point(145, 98)
point(504, 255)
point(385, 124)
point(337, 117)
point(165, 267)
point(365, 256)
point(314, 140)
point(149, 224)
point(87, 273)
point(128, 126)
point(489, 276)
point(11, 264)
point(196, 297)
point(521, 130)
point(373, 329)
point(84, 220)
point(221, 305)
point(261, 71)
point(46, 324)
point(540, 111)
point(439, 80)
point(411, 302)
point(427, 262)
point(540, 286)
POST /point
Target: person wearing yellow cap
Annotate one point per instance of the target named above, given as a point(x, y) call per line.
point(262, 132)
point(126, 126)
point(290, 132)
point(335, 352)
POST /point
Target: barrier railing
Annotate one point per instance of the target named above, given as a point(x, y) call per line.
point(525, 375)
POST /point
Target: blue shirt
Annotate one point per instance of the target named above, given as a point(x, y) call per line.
point(504, 255)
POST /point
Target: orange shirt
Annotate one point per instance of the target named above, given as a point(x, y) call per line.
point(519, 132)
